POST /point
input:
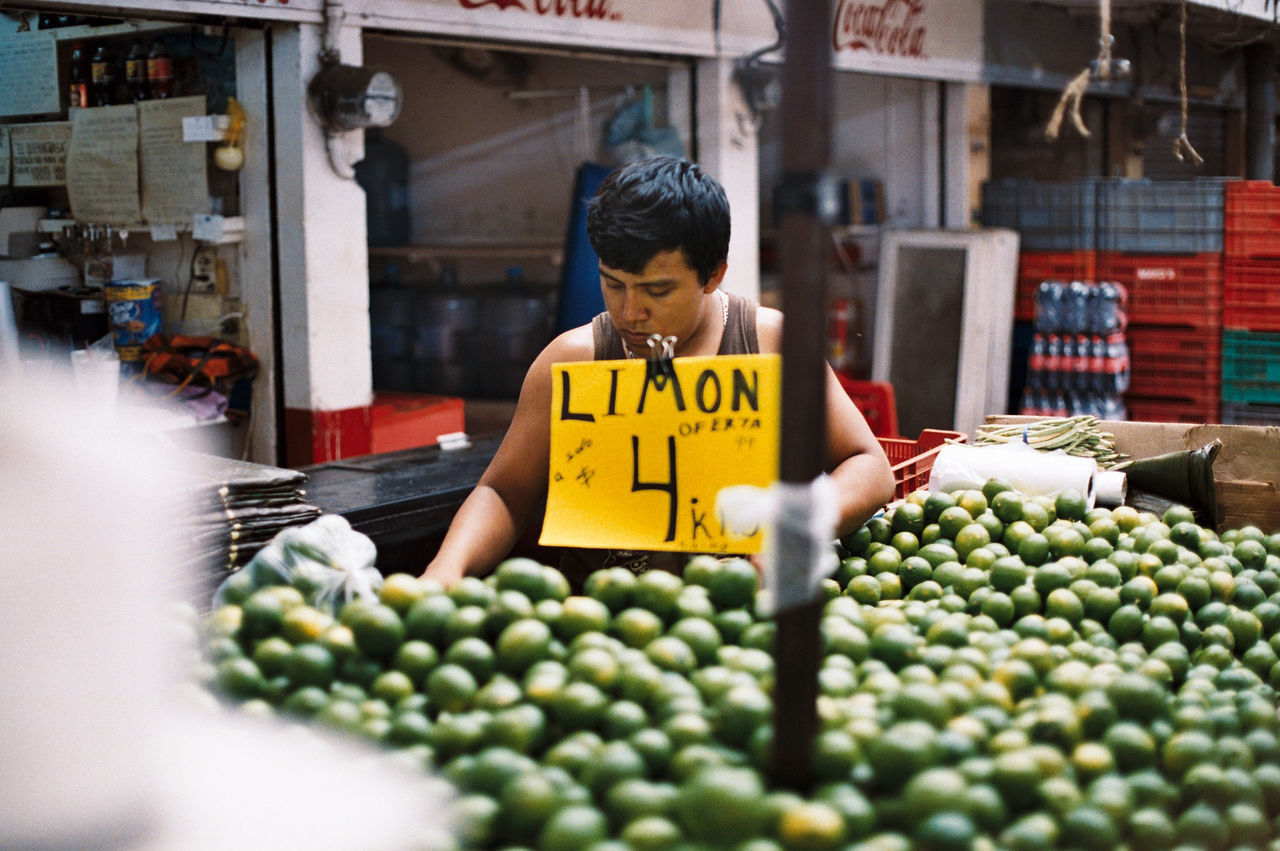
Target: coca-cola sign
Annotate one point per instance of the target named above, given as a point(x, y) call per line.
point(595, 10)
point(890, 27)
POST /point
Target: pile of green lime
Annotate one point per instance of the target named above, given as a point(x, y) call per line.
point(999, 671)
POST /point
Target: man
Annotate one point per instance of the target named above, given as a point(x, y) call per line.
point(660, 229)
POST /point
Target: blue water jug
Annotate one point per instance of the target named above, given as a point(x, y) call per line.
point(384, 176)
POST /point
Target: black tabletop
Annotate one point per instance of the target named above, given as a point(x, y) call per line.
point(411, 488)
point(403, 500)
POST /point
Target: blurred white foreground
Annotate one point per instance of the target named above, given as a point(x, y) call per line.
point(94, 751)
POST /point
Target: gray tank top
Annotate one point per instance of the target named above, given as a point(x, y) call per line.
point(739, 338)
point(739, 332)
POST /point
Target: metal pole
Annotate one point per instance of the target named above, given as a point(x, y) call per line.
point(806, 199)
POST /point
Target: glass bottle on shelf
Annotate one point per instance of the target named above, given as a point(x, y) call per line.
point(159, 71)
point(135, 71)
point(78, 76)
point(102, 72)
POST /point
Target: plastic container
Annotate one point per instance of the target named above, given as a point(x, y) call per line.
point(1048, 216)
point(1261, 415)
point(1172, 410)
point(1178, 363)
point(1035, 267)
point(391, 333)
point(445, 328)
point(515, 324)
point(1252, 229)
point(1250, 367)
point(384, 176)
point(1250, 295)
point(876, 401)
point(1168, 289)
point(1165, 217)
point(911, 460)
point(1238, 414)
point(408, 420)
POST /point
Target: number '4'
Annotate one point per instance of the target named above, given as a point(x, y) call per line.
point(668, 487)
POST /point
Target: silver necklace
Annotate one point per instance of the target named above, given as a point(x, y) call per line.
point(668, 343)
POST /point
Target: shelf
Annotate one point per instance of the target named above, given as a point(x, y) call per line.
point(419, 253)
point(123, 28)
point(233, 229)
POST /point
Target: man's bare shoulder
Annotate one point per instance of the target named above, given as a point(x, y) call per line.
point(769, 329)
point(576, 344)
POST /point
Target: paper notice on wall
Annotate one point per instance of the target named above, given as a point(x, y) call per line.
point(102, 165)
point(40, 153)
point(175, 184)
point(4, 156)
point(29, 74)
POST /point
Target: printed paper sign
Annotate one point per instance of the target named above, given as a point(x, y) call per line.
point(29, 74)
point(40, 153)
point(638, 457)
point(102, 165)
point(175, 186)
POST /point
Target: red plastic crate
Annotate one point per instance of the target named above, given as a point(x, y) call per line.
point(911, 460)
point(1161, 342)
point(1181, 382)
point(1172, 411)
point(1168, 289)
point(1251, 226)
point(1037, 266)
point(1251, 295)
point(409, 420)
point(1178, 363)
point(876, 401)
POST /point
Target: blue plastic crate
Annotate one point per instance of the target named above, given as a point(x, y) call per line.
point(1166, 217)
point(1262, 415)
point(1048, 216)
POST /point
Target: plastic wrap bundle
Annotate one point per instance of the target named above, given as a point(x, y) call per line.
point(1027, 470)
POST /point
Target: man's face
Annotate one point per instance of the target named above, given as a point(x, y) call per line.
point(665, 298)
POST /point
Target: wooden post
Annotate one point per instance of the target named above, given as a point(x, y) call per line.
point(806, 199)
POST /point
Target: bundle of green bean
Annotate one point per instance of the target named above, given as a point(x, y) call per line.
point(1077, 435)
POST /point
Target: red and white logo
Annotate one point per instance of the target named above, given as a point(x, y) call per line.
point(595, 10)
point(890, 28)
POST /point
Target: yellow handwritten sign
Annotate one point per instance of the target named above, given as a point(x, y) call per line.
point(637, 457)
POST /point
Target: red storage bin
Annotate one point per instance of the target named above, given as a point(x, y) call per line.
point(876, 401)
point(1168, 289)
point(1037, 266)
point(1251, 227)
point(1172, 410)
point(1175, 363)
point(912, 460)
point(1251, 295)
point(409, 420)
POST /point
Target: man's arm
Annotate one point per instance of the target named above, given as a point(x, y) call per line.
point(495, 513)
point(855, 460)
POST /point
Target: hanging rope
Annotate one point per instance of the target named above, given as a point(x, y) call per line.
point(1182, 145)
point(1069, 103)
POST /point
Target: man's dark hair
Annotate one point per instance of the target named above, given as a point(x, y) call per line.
point(657, 205)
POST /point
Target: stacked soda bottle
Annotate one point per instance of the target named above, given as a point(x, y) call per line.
point(1079, 359)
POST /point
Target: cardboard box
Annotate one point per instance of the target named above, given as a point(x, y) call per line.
point(409, 420)
point(1246, 472)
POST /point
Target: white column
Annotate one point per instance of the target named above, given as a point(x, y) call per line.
point(255, 249)
point(956, 154)
point(324, 270)
point(727, 146)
